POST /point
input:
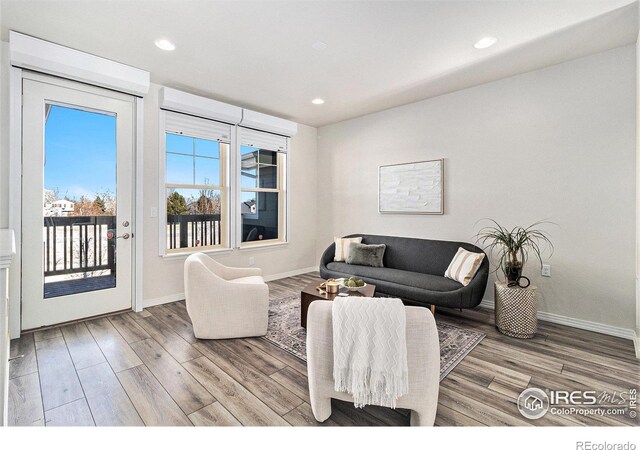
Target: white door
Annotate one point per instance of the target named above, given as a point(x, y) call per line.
point(77, 160)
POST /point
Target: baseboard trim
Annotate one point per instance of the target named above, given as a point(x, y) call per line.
point(636, 343)
point(162, 300)
point(610, 330)
point(293, 273)
point(180, 296)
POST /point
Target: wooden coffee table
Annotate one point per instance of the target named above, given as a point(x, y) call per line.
point(310, 294)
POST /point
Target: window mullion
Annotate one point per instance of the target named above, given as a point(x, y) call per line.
point(193, 159)
point(195, 186)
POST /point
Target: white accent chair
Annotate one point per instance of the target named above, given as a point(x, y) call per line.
point(423, 357)
point(225, 302)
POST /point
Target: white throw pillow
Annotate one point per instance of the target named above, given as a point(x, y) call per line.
point(464, 266)
point(342, 247)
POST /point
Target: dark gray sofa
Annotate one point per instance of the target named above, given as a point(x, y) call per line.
point(414, 271)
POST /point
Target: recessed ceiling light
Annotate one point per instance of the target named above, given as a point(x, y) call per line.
point(317, 101)
point(485, 42)
point(319, 45)
point(165, 44)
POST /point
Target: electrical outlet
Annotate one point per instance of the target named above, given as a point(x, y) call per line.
point(251, 261)
point(154, 211)
point(546, 270)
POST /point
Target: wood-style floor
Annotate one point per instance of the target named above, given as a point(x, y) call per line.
point(148, 369)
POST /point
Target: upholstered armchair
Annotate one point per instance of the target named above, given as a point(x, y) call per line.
point(423, 357)
point(225, 302)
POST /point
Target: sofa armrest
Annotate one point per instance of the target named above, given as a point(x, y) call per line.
point(231, 273)
point(328, 256)
point(228, 273)
point(477, 286)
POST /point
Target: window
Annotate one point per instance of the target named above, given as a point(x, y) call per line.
point(196, 187)
point(263, 160)
point(207, 206)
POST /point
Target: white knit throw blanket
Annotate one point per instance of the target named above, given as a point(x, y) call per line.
point(370, 350)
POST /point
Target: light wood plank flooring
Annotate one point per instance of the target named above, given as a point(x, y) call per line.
point(148, 369)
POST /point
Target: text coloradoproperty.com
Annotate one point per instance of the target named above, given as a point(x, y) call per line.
point(589, 411)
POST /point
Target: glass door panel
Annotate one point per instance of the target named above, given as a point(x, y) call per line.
point(80, 202)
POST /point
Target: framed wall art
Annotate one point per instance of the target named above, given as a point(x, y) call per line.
point(412, 188)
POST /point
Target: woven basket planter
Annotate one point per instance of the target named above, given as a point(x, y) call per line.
point(516, 310)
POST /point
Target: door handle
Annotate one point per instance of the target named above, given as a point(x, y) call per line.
point(110, 235)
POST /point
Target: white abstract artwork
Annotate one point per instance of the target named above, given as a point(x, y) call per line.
point(413, 188)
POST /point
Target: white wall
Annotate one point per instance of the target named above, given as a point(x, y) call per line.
point(557, 143)
point(4, 136)
point(163, 277)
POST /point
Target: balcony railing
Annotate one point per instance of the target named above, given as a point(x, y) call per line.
point(79, 244)
point(193, 230)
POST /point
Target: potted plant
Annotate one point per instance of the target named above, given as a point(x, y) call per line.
point(512, 247)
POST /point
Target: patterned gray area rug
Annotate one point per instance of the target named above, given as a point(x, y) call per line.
point(285, 332)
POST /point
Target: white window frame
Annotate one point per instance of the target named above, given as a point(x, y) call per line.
point(267, 130)
point(273, 142)
point(227, 218)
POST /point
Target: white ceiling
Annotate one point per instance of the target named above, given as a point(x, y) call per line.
point(379, 55)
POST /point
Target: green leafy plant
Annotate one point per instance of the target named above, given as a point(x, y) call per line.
point(176, 204)
point(512, 247)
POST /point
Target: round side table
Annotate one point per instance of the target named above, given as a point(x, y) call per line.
point(516, 310)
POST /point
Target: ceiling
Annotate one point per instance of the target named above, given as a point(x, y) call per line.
point(259, 55)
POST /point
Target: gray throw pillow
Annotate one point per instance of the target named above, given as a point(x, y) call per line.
point(366, 255)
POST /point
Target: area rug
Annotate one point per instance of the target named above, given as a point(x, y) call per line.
point(285, 331)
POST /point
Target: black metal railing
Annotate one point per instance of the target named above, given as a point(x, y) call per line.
point(79, 244)
point(193, 230)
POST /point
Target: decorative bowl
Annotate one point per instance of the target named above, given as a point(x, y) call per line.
point(354, 289)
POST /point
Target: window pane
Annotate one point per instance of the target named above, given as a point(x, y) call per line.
point(207, 171)
point(268, 157)
point(193, 218)
point(207, 148)
point(249, 157)
point(80, 204)
point(249, 178)
point(178, 143)
point(245, 149)
point(269, 177)
point(259, 216)
point(179, 169)
point(248, 205)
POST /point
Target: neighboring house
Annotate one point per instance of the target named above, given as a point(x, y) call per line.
point(59, 208)
point(249, 207)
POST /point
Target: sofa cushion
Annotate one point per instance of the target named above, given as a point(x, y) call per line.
point(366, 255)
point(343, 247)
point(419, 280)
point(464, 266)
